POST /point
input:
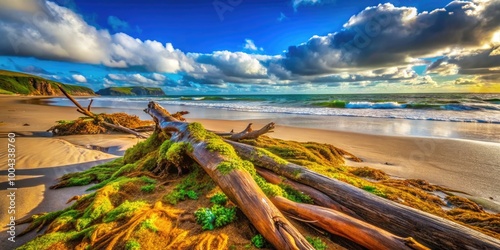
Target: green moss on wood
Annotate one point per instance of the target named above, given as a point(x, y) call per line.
point(141, 149)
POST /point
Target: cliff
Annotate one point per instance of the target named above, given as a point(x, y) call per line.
point(131, 91)
point(25, 84)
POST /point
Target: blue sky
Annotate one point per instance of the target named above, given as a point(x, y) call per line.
point(237, 46)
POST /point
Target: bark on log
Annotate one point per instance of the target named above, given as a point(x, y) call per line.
point(318, 197)
point(340, 224)
point(238, 185)
point(430, 230)
point(249, 133)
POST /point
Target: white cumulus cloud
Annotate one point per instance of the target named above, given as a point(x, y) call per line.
point(250, 45)
point(79, 78)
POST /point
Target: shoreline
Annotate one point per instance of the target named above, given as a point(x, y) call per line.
point(403, 154)
point(475, 131)
point(464, 165)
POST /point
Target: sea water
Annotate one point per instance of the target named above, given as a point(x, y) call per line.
point(455, 115)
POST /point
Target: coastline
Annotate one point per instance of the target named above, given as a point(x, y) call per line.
point(463, 165)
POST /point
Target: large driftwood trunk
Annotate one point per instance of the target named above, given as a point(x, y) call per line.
point(428, 229)
point(318, 197)
point(340, 224)
point(238, 185)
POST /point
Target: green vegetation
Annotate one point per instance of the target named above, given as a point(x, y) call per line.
point(214, 217)
point(122, 90)
point(5, 92)
point(219, 199)
point(50, 240)
point(374, 191)
point(19, 83)
point(125, 210)
point(132, 245)
point(143, 148)
point(190, 187)
point(150, 224)
point(317, 243)
point(150, 184)
point(371, 173)
point(98, 208)
point(259, 241)
point(177, 151)
point(132, 91)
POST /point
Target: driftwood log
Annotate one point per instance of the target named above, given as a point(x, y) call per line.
point(428, 229)
point(87, 112)
point(238, 185)
point(318, 197)
point(340, 224)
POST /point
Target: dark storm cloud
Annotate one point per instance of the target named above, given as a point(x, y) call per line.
point(485, 64)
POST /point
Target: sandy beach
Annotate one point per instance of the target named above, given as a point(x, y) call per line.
point(468, 166)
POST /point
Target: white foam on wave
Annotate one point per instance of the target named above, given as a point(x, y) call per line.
point(377, 110)
point(374, 105)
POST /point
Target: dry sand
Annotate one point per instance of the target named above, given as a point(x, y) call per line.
point(472, 167)
point(41, 160)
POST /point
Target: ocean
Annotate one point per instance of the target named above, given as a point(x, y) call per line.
point(460, 111)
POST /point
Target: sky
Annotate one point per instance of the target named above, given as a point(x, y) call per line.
point(257, 47)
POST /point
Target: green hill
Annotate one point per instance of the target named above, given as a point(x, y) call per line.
point(131, 91)
point(25, 84)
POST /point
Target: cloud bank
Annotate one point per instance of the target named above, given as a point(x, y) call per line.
point(381, 44)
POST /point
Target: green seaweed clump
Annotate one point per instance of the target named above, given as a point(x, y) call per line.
point(317, 243)
point(259, 241)
point(132, 245)
point(219, 198)
point(215, 217)
point(190, 187)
